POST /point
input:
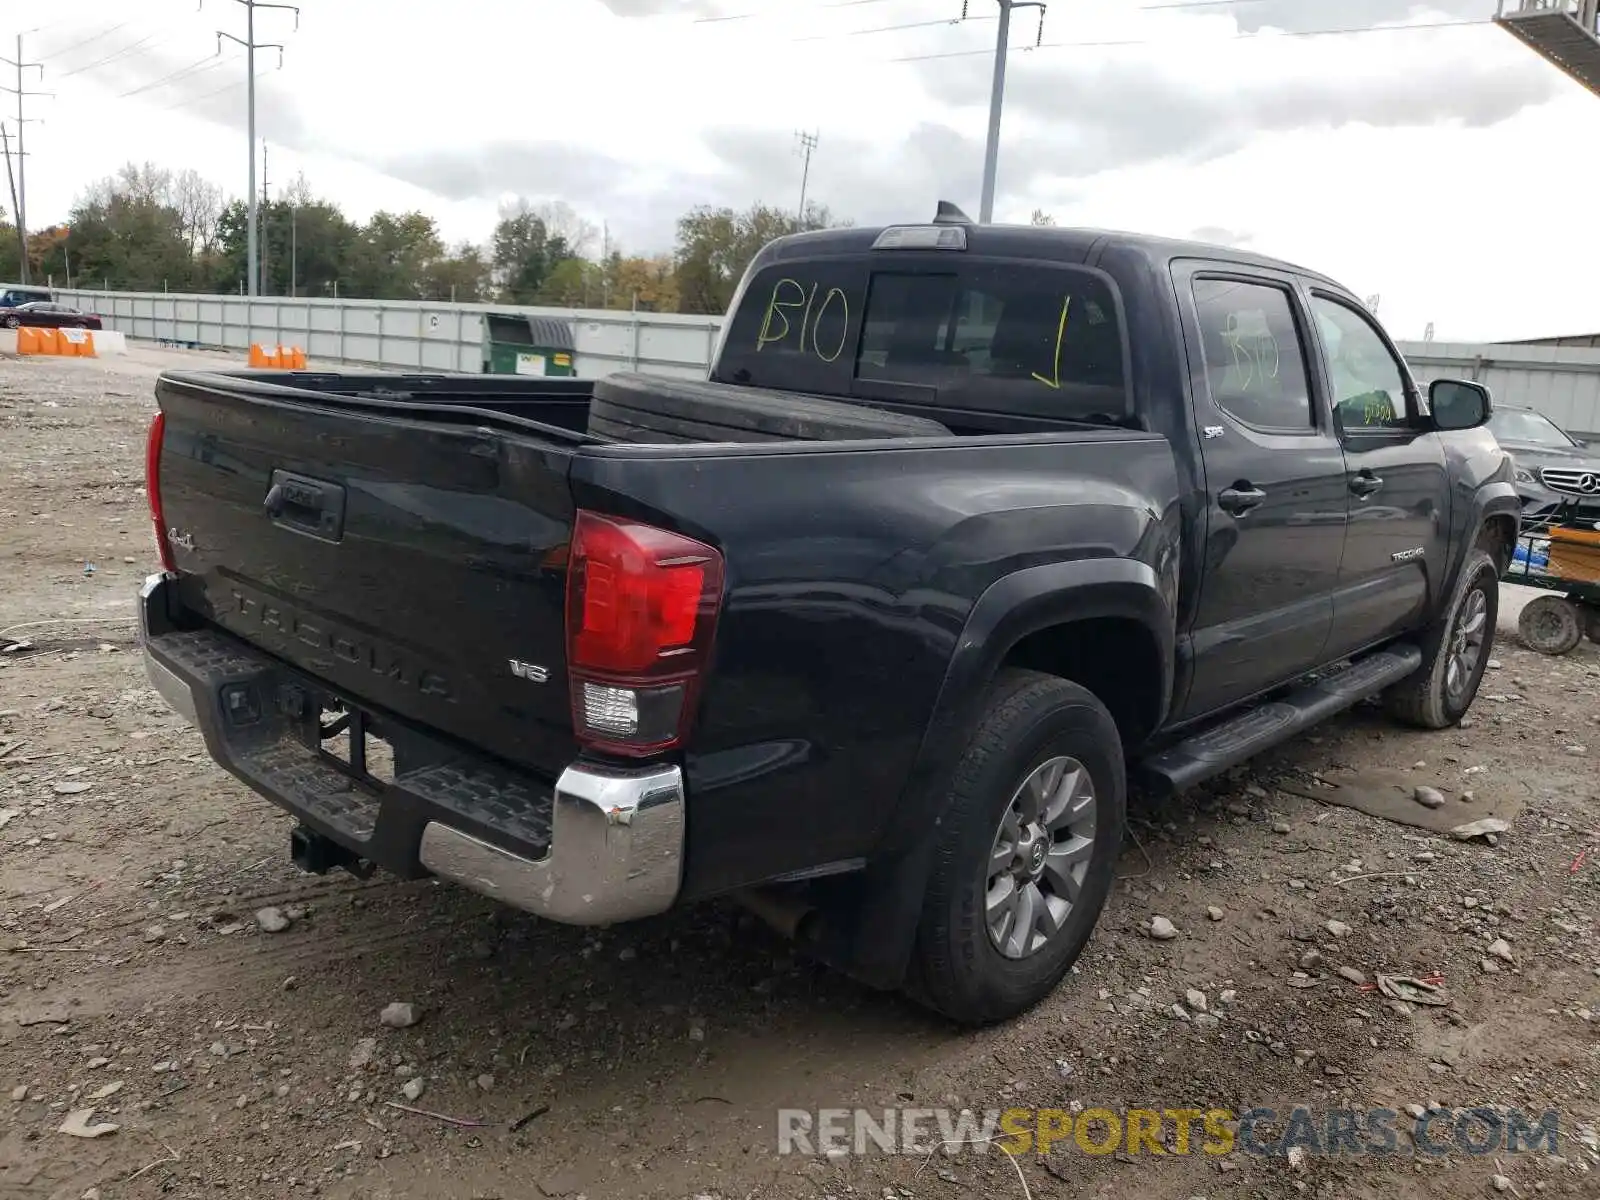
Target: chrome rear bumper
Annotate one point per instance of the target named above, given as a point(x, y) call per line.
point(604, 845)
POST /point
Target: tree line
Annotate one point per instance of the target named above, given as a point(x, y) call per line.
point(150, 229)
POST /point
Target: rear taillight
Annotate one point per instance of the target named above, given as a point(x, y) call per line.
point(641, 611)
point(152, 488)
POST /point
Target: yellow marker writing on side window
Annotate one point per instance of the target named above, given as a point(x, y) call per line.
point(776, 306)
point(1055, 362)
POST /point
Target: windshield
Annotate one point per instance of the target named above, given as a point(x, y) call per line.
point(1513, 425)
point(1039, 340)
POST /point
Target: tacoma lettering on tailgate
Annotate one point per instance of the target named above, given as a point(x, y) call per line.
point(271, 617)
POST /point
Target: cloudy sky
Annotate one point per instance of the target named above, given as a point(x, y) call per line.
point(1427, 157)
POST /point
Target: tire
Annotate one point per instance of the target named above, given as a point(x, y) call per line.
point(1593, 624)
point(959, 968)
point(1551, 624)
point(1434, 698)
point(644, 408)
point(13, 323)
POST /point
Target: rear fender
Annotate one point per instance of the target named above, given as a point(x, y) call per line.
point(1010, 609)
point(885, 906)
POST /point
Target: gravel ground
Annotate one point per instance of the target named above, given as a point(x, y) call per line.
point(138, 975)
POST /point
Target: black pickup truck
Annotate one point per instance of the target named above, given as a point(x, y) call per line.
point(969, 526)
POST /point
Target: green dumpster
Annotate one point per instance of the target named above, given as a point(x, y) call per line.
point(516, 344)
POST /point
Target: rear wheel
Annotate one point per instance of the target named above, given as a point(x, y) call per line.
point(1550, 624)
point(1026, 853)
point(13, 323)
point(1455, 651)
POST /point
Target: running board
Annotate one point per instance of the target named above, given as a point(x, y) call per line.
point(1245, 734)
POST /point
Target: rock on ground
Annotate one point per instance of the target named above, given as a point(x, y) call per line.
point(272, 920)
point(400, 1015)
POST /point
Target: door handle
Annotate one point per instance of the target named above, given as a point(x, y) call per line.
point(1240, 498)
point(1364, 483)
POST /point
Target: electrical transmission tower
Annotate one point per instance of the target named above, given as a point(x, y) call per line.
point(253, 271)
point(997, 96)
point(20, 198)
point(807, 143)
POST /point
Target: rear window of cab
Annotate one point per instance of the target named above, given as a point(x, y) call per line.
point(976, 335)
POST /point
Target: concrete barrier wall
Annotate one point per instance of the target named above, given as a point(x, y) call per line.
point(1563, 382)
point(398, 334)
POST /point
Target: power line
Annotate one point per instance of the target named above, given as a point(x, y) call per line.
point(828, 37)
point(227, 87)
point(85, 41)
point(1163, 5)
point(208, 63)
point(1198, 4)
point(1236, 37)
point(100, 62)
point(750, 16)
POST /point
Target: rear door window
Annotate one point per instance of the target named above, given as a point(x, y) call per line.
point(1020, 339)
point(1255, 366)
point(1017, 339)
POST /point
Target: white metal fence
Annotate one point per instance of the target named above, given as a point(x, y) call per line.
point(399, 334)
point(1562, 382)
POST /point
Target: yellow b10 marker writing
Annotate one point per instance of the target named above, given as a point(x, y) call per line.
point(789, 295)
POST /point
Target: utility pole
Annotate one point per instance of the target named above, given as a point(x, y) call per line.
point(22, 170)
point(808, 143)
point(11, 176)
point(997, 96)
point(253, 269)
point(264, 239)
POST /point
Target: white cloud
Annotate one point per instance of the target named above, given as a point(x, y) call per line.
point(1431, 166)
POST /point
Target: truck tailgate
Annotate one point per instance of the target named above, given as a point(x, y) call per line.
point(415, 565)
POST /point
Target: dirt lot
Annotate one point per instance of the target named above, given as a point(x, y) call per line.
point(657, 1055)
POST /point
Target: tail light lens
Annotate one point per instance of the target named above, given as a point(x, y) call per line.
point(152, 488)
point(641, 613)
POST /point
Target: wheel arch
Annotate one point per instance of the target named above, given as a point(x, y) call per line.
point(1492, 523)
point(1497, 534)
point(1036, 617)
point(1091, 615)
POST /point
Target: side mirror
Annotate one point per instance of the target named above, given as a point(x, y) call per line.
point(1459, 404)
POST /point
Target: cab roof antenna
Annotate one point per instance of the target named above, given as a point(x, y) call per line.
point(949, 214)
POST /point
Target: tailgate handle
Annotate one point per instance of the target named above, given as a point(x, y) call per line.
point(305, 505)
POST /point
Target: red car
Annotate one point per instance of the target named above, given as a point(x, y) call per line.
point(50, 316)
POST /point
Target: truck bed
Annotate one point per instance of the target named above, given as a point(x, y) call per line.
point(419, 566)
